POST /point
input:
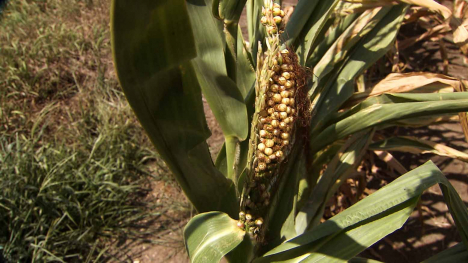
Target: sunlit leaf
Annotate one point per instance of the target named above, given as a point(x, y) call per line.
point(210, 236)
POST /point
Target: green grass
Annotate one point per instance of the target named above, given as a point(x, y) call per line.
point(74, 162)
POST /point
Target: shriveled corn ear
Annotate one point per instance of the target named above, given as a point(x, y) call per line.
point(279, 78)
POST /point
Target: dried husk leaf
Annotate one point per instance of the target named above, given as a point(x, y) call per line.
point(414, 82)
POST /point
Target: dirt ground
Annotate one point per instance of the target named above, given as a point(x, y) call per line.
point(430, 228)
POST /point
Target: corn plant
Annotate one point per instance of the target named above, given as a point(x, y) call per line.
point(294, 125)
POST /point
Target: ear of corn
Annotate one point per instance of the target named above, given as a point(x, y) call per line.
point(279, 77)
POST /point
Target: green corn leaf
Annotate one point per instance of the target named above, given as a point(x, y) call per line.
point(329, 39)
point(320, 17)
point(245, 67)
point(161, 86)
point(228, 10)
point(457, 253)
point(344, 162)
point(382, 114)
point(363, 260)
point(298, 20)
point(400, 98)
point(222, 93)
point(210, 236)
point(353, 230)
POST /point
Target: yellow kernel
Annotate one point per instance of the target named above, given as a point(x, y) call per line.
point(282, 88)
point(293, 111)
point(277, 98)
point(262, 166)
point(267, 160)
point(276, 132)
point(248, 217)
point(279, 154)
point(284, 136)
point(259, 222)
point(276, 11)
point(275, 115)
point(268, 128)
point(284, 94)
point(272, 157)
point(281, 107)
point(281, 80)
point(271, 103)
point(284, 67)
point(292, 101)
point(276, 68)
point(268, 151)
point(288, 110)
point(283, 115)
point(261, 146)
point(282, 13)
point(277, 19)
point(284, 51)
point(269, 143)
point(283, 125)
point(263, 133)
point(286, 75)
point(291, 119)
point(287, 120)
point(274, 88)
point(289, 84)
point(261, 156)
point(285, 101)
point(263, 20)
point(275, 5)
point(285, 142)
point(274, 123)
point(270, 110)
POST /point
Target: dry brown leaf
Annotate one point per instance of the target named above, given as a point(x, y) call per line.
point(439, 149)
point(437, 30)
point(416, 82)
point(391, 161)
point(432, 6)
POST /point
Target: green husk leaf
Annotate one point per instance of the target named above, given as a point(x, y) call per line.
point(210, 236)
